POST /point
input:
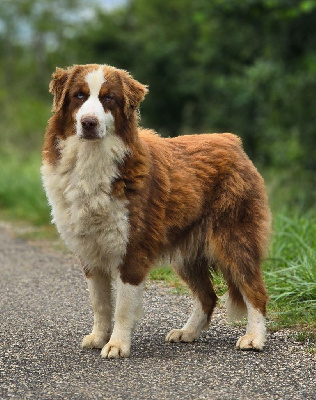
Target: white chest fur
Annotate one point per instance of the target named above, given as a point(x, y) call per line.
point(93, 224)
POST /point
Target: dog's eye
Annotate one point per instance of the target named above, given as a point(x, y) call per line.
point(79, 95)
point(108, 98)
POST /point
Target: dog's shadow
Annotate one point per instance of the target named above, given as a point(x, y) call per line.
point(155, 347)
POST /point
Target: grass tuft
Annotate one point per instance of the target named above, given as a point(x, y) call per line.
point(165, 273)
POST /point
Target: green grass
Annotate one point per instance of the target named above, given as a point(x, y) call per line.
point(165, 274)
point(21, 193)
point(290, 271)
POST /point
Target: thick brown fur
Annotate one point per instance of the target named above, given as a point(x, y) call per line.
point(197, 199)
point(201, 194)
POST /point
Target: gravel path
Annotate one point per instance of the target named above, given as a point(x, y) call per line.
point(45, 312)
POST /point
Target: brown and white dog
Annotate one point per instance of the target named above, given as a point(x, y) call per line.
point(123, 197)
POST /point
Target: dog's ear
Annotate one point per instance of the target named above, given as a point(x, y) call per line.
point(58, 87)
point(133, 91)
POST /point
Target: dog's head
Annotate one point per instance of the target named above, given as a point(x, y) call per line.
point(94, 100)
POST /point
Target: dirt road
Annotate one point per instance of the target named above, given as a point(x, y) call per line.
point(45, 312)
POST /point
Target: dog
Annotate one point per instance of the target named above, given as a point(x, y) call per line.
point(122, 198)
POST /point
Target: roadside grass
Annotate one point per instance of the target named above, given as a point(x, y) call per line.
point(290, 271)
point(165, 274)
point(21, 194)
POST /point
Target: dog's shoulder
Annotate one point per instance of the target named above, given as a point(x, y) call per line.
point(231, 138)
point(149, 136)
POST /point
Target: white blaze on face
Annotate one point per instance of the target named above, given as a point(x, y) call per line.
point(92, 107)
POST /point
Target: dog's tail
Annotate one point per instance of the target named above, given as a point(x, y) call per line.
point(235, 310)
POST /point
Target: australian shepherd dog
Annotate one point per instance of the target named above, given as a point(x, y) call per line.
point(122, 198)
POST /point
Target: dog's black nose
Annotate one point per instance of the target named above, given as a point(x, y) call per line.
point(89, 123)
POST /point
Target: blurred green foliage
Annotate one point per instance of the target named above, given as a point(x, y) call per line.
point(247, 67)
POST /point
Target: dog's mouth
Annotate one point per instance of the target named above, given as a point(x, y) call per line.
point(90, 136)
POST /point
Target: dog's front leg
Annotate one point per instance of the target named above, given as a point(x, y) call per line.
point(128, 310)
point(99, 285)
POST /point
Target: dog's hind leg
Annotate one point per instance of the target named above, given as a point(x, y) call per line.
point(99, 286)
point(255, 336)
point(250, 299)
point(197, 276)
point(239, 258)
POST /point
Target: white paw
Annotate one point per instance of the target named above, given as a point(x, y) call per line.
point(94, 341)
point(181, 335)
point(116, 349)
point(250, 341)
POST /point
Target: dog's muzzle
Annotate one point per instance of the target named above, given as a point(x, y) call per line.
point(89, 127)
